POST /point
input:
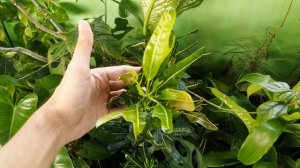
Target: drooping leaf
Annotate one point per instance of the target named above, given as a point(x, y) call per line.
point(178, 99)
point(93, 150)
point(62, 159)
point(221, 159)
point(259, 142)
point(158, 47)
point(200, 118)
point(14, 115)
point(269, 160)
point(165, 116)
point(186, 5)
point(270, 110)
point(181, 66)
point(132, 114)
point(237, 110)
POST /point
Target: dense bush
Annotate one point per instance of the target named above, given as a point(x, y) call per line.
point(170, 115)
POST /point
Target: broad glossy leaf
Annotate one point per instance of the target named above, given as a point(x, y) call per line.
point(132, 114)
point(237, 110)
point(221, 159)
point(62, 159)
point(158, 47)
point(259, 142)
point(269, 160)
point(13, 115)
point(276, 86)
point(153, 9)
point(200, 118)
point(181, 66)
point(93, 150)
point(270, 110)
point(186, 5)
point(178, 99)
point(79, 163)
point(108, 46)
point(165, 116)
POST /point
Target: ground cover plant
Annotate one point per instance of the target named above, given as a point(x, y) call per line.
point(171, 119)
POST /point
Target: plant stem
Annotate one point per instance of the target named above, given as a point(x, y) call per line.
point(24, 51)
point(6, 33)
point(147, 16)
point(36, 23)
point(53, 22)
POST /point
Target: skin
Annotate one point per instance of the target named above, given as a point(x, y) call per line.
point(79, 100)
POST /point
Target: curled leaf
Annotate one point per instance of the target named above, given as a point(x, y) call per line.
point(129, 77)
point(178, 99)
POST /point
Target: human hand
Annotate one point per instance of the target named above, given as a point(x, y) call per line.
point(82, 96)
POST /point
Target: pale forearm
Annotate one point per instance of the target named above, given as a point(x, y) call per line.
point(35, 145)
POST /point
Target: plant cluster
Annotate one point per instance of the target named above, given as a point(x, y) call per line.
point(170, 116)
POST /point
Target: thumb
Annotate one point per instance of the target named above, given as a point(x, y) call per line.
point(84, 44)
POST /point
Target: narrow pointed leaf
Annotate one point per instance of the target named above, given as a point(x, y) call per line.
point(236, 109)
point(201, 119)
point(131, 114)
point(259, 142)
point(158, 48)
point(165, 116)
point(178, 99)
point(181, 66)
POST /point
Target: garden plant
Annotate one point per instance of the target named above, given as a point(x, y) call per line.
point(170, 118)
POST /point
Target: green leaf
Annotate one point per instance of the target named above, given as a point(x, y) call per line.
point(296, 88)
point(237, 110)
point(130, 77)
point(293, 129)
point(45, 87)
point(154, 9)
point(253, 88)
point(181, 66)
point(62, 160)
point(256, 78)
point(221, 159)
point(268, 161)
point(270, 110)
point(201, 119)
point(13, 116)
point(131, 7)
point(187, 4)
point(107, 45)
point(132, 114)
point(93, 150)
point(78, 163)
point(8, 11)
point(259, 142)
point(165, 116)
point(57, 61)
point(286, 161)
point(158, 48)
point(178, 99)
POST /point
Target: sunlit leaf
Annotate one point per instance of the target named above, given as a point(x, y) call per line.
point(259, 142)
point(132, 114)
point(236, 109)
point(201, 119)
point(296, 88)
point(158, 47)
point(178, 99)
point(165, 116)
point(256, 78)
point(253, 88)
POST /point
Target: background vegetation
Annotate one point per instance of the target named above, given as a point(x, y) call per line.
point(224, 111)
